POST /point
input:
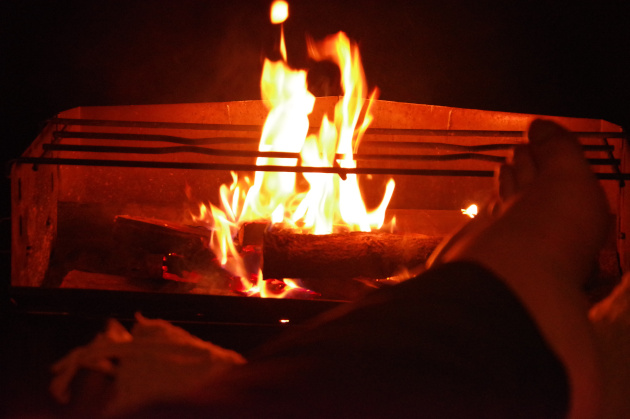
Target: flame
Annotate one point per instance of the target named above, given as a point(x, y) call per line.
point(278, 14)
point(471, 211)
point(279, 11)
point(284, 91)
point(330, 202)
point(330, 199)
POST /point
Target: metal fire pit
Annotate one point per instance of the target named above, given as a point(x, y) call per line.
point(91, 164)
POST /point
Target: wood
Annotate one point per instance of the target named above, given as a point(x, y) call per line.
point(159, 236)
point(158, 249)
point(251, 234)
point(343, 256)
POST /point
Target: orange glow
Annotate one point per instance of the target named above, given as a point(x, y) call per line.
point(342, 198)
point(471, 211)
point(284, 91)
point(279, 11)
point(330, 203)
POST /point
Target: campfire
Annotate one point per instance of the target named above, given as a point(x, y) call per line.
point(293, 196)
point(313, 203)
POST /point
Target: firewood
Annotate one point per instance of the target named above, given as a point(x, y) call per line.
point(251, 233)
point(287, 254)
point(159, 236)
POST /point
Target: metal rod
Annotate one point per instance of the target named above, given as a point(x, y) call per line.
point(616, 168)
point(461, 147)
point(268, 154)
point(154, 137)
point(250, 167)
point(279, 154)
point(293, 169)
point(254, 141)
point(479, 133)
point(369, 131)
point(605, 162)
point(168, 150)
point(148, 124)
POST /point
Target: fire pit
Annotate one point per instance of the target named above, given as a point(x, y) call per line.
point(153, 164)
point(289, 197)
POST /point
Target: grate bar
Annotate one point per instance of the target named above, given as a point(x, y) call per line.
point(369, 131)
point(277, 154)
point(57, 135)
point(269, 168)
point(250, 167)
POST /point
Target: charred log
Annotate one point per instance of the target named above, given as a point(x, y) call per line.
point(159, 236)
point(159, 249)
point(251, 234)
point(343, 256)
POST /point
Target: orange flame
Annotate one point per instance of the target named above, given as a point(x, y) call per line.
point(330, 201)
point(278, 14)
point(471, 211)
point(279, 11)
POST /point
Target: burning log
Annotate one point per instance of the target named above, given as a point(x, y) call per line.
point(159, 249)
point(343, 256)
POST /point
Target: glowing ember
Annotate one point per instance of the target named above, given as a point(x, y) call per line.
point(330, 203)
point(279, 11)
point(471, 211)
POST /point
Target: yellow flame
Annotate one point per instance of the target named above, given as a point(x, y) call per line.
point(284, 91)
point(344, 195)
point(289, 285)
point(471, 211)
point(277, 216)
point(330, 200)
point(279, 11)
point(221, 242)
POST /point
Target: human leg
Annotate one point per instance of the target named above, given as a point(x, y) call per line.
point(542, 240)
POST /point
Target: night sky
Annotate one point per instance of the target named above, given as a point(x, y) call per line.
point(562, 58)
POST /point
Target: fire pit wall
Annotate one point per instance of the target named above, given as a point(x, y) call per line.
point(65, 198)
